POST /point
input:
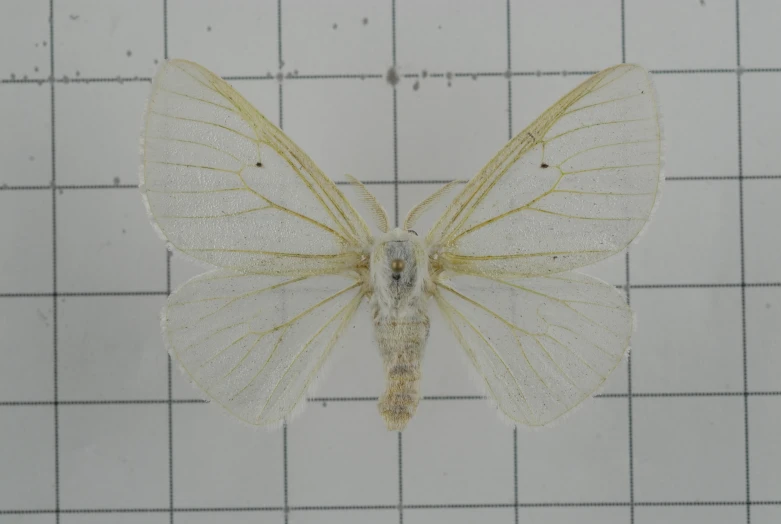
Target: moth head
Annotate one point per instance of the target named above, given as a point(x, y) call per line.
point(397, 267)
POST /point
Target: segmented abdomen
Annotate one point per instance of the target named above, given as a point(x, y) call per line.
point(401, 342)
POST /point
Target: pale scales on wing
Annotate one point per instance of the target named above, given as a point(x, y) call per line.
point(294, 260)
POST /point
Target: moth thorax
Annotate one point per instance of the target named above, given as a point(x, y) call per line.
point(398, 270)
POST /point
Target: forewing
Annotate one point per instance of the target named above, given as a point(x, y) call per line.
point(226, 186)
point(541, 345)
point(255, 343)
point(574, 187)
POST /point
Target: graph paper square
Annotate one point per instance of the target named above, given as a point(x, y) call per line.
point(27, 30)
point(695, 238)
point(350, 36)
point(698, 454)
point(765, 452)
point(763, 255)
point(363, 147)
point(532, 94)
point(686, 515)
point(762, 134)
point(27, 265)
point(94, 363)
point(672, 349)
point(468, 448)
point(612, 269)
point(458, 516)
point(446, 365)
point(702, 140)
point(115, 454)
point(617, 383)
point(354, 352)
point(540, 41)
point(184, 267)
point(31, 519)
point(84, 156)
point(27, 451)
point(26, 373)
point(763, 307)
point(335, 516)
point(110, 38)
point(182, 388)
point(116, 518)
point(239, 39)
point(26, 116)
point(581, 515)
point(592, 447)
point(111, 228)
point(386, 196)
point(261, 94)
point(765, 514)
point(367, 471)
point(411, 195)
point(451, 36)
point(681, 35)
point(441, 130)
point(756, 47)
point(230, 517)
point(217, 464)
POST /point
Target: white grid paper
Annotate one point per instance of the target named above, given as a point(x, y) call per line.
point(95, 424)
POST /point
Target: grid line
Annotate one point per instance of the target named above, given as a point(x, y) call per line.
point(55, 330)
point(169, 360)
point(118, 402)
point(684, 285)
point(377, 76)
point(286, 507)
point(516, 514)
point(285, 471)
point(394, 84)
point(627, 290)
point(6, 187)
point(395, 117)
point(391, 507)
point(742, 263)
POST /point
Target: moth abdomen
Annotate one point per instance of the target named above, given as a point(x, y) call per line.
point(400, 400)
point(401, 344)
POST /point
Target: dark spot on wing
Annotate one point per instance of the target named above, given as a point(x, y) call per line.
point(544, 165)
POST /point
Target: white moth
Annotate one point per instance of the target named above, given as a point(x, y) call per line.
point(294, 260)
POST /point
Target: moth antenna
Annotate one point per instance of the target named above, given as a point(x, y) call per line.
point(418, 211)
point(370, 201)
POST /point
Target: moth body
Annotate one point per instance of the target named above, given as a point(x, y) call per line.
point(399, 279)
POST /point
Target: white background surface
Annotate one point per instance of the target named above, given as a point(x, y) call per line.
point(95, 427)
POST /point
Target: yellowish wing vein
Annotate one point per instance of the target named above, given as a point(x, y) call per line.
point(541, 345)
point(224, 185)
point(576, 186)
point(255, 343)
